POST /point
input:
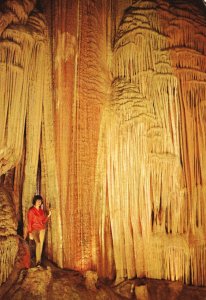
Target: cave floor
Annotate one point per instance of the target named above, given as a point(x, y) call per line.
point(52, 283)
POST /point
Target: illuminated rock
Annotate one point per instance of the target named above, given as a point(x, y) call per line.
point(109, 125)
point(150, 186)
point(9, 242)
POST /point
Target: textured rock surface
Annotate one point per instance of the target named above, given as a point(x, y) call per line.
point(52, 283)
point(91, 280)
point(81, 88)
point(27, 129)
point(55, 284)
point(31, 284)
point(8, 240)
point(150, 188)
point(120, 153)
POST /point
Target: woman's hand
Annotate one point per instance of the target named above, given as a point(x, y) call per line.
point(31, 236)
point(49, 215)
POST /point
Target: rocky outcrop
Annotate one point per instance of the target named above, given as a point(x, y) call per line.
point(8, 238)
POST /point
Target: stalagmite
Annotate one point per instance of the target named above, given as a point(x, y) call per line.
point(8, 239)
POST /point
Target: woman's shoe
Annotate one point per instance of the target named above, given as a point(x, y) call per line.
point(38, 264)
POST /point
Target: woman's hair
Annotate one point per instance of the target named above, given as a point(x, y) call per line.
point(37, 197)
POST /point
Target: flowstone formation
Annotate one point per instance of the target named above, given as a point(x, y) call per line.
point(108, 125)
point(9, 241)
point(26, 110)
point(151, 180)
point(27, 130)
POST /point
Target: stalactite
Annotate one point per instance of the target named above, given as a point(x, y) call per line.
point(150, 174)
point(28, 113)
point(49, 183)
point(33, 122)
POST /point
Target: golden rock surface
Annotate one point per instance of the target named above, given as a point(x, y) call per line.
point(102, 111)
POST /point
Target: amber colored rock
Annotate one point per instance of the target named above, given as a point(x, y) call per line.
point(91, 280)
point(9, 241)
point(141, 292)
point(21, 264)
point(103, 112)
point(34, 284)
point(150, 176)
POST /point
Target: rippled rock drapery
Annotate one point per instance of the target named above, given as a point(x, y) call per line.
point(81, 87)
point(27, 130)
point(151, 163)
point(130, 145)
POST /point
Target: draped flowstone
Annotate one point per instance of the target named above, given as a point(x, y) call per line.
point(103, 113)
point(81, 87)
point(27, 127)
point(150, 169)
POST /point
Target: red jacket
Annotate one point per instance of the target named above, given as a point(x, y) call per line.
point(36, 219)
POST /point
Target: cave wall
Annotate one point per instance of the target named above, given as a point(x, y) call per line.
point(157, 106)
point(111, 131)
point(80, 88)
point(148, 195)
point(27, 122)
point(151, 175)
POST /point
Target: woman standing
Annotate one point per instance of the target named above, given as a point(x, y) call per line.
point(36, 225)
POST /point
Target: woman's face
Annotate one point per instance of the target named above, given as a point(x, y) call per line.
point(38, 203)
